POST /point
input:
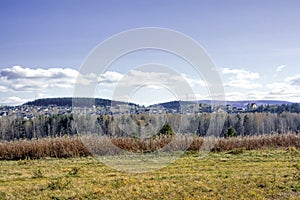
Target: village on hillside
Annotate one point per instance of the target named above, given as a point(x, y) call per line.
point(29, 111)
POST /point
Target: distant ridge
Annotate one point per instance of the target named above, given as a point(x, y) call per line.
point(243, 103)
point(82, 101)
point(69, 101)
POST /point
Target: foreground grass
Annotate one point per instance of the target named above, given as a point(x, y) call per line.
point(227, 175)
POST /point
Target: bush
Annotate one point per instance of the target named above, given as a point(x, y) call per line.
point(236, 151)
point(37, 174)
point(59, 184)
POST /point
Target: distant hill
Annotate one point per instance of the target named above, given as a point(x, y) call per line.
point(173, 104)
point(239, 104)
point(69, 101)
point(243, 103)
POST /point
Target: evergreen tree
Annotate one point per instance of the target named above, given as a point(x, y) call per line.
point(166, 130)
point(230, 132)
point(239, 125)
point(246, 124)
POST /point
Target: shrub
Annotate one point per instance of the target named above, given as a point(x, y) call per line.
point(236, 151)
point(74, 171)
point(37, 174)
point(59, 184)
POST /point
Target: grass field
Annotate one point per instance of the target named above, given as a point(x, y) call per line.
point(255, 174)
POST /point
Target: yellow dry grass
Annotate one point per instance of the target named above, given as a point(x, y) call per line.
point(240, 174)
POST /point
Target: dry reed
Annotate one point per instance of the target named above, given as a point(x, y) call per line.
point(64, 147)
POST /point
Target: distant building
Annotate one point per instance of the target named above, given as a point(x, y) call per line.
point(229, 108)
point(251, 106)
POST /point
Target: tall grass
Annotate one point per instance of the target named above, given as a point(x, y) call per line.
point(64, 147)
point(275, 141)
point(46, 147)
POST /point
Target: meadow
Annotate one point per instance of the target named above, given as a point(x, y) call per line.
point(253, 167)
point(249, 174)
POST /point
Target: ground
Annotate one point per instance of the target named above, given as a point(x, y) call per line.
point(268, 174)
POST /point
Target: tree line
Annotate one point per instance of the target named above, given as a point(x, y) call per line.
point(245, 124)
point(293, 108)
point(143, 125)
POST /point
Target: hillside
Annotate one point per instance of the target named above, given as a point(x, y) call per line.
point(69, 101)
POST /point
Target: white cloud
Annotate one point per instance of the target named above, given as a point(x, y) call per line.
point(123, 86)
point(194, 82)
point(289, 89)
point(3, 89)
point(39, 83)
point(13, 100)
point(25, 79)
point(293, 80)
point(110, 77)
point(86, 79)
point(234, 96)
point(280, 68)
point(21, 79)
point(18, 84)
point(242, 83)
point(239, 78)
point(155, 87)
point(241, 74)
point(255, 95)
point(137, 78)
point(30, 82)
point(278, 87)
point(18, 72)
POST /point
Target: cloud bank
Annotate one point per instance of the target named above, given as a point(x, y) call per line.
point(20, 84)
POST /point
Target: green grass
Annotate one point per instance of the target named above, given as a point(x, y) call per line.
point(238, 174)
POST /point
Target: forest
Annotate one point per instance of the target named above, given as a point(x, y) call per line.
point(144, 125)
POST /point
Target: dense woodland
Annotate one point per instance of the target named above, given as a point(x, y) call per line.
point(293, 108)
point(144, 125)
point(69, 102)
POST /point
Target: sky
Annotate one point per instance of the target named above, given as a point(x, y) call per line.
point(254, 44)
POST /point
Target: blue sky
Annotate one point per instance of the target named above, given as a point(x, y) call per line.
point(254, 44)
